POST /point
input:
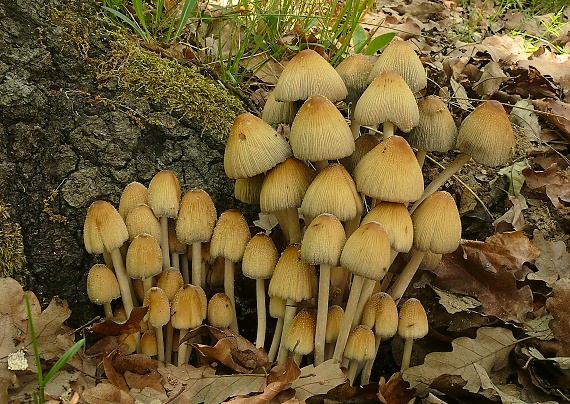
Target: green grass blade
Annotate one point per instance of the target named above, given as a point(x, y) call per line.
point(158, 14)
point(187, 9)
point(133, 24)
point(34, 340)
point(359, 39)
point(379, 42)
point(138, 6)
point(62, 361)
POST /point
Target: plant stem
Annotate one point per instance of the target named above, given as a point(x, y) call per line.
point(350, 310)
point(261, 313)
point(322, 312)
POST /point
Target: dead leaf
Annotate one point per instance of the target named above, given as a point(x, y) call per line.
point(114, 377)
point(203, 385)
point(395, 391)
point(491, 79)
point(105, 393)
point(318, 380)
point(136, 363)
point(553, 262)
point(556, 185)
point(111, 327)
point(549, 64)
point(152, 380)
point(558, 113)
point(489, 351)
point(454, 303)
point(557, 304)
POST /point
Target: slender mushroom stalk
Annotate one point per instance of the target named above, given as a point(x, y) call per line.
point(359, 348)
point(170, 281)
point(188, 311)
point(157, 316)
point(412, 325)
point(276, 310)
point(334, 321)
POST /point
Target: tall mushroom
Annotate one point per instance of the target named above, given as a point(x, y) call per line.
point(188, 310)
point(158, 315)
point(412, 325)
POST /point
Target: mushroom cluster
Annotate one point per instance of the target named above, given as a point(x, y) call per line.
point(347, 203)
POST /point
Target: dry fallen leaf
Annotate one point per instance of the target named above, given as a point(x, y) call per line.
point(553, 262)
point(558, 113)
point(318, 380)
point(555, 183)
point(557, 305)
point(105, 393)
point(111, 327)
point(491, 79)
point(395, 391)
point(489, 350)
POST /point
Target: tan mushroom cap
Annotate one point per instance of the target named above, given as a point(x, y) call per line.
point(300, 336)
point(276, 307)
point(260, 257)
point(354, 71)
point(230, 236)
point(196, 218)
point(149, 345)
point(133, 194)
point(332, 191)
point(361, 344)
point(141, 219)
point(170, 281)
point(487, 135)
point(102, 285)
point(285, 185)
point(382, 314)
point(436, 130)
point(388, 99)
point(400, 57)
point(307, 74)
point(293, 278)
point(175, 246)
point(396, 221)
point(413, 323)
point(220, 310)
point(248, 190)
point(323, 241)
point(437, 225)
point(320, 132)
point(189, 307)
point(275, 112)
point(253, 147)
point(335, 316)
point(104, 228)
point(144, 257)
point(390, 172)
point(367, 251)
point(158, 307)
point(164, 194)
point(362, 145)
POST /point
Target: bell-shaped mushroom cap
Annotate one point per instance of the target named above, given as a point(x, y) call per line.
point(104, 229)
point(323, 241)
point(381, 313)
point(196, 218)
point(149, 345)
point(231, 235)
point(175, 246)
point(307, 74)
point(102, 285)
point(248, 190)
point(285, 185)
point(134, 193)
point(164, 194)
point(487, 135)
point(158, 307)
point(253, 147)
point(275, 112)
point(412, 323)
point(401, 58)
point(144, 257)
point(170, 281)
point(436, 130)
point(260, 257)
point(320, 132)
point(189, 307)
point(276, 307)
point(141, 219)
point(388, 99)
point(396, 221)
point(390, 172)
point(335, 316)
point(437, 225)
point(361, 344)
point(362, 145)
point(332, 191)
point(367, 252)
point(300, 336)
point(220, 310)
point(293, 278)
point(354, 71)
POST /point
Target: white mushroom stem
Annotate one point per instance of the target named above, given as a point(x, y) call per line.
point(405, 277)
point(407, 355)
point(184, 268)
point(322, 312)
point(229, 276)
point(289, 221)
point(147, 284)
point(290, 311)
point(352, 370)
point(367, 371)
point(175, 260)
point(108, 310)
point(261, 313)
point(123, 280)
point(421, 157)
point(196, 265)
point(351, 305)
point(367, 290)
point(387, 130)
point(276, 339)
point(160, 343)
point(354, 124)
point(168, 343)
point(438, 181)
point(182, 348)
point(164, 244)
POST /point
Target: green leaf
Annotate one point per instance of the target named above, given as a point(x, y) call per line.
point(379, 42)
point(187, 9)
point(516, 179)
point(66, 357)
point(359, 39)
point(133, 24)
point(34, 340)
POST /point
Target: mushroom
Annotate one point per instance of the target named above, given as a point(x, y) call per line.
point(176, 248)
point(144, 259)
point(277, 112)
point(158, 315)
point(276, 310)
point(133, 194)
point(189, 308)
point(248, 190)
point(362, 145)
point(359, 348)
point(300, 337)
point(141, 219)
point(170, 281)
point(220, 311)
point(102, 287)
point(149, 345)
point(335, 316)
point(412, 325)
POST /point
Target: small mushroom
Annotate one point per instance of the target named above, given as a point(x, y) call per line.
point(412, 325)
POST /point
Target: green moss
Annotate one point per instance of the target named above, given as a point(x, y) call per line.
point(184, 89)
point(12, 257)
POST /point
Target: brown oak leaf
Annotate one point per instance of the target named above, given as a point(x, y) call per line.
point(555, 184)
point(395, 391)
point(557, 304)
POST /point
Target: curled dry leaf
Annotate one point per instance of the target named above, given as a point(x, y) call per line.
point(395, 391)
point(557, 305)
point(110, 327)
point(554, 260)
point(555, 184)
point(152, 380)
point(318, 380)
point(489, 350)
point(105, 393)
point(558, 113)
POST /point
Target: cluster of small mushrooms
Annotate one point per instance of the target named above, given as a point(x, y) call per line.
point(347, 201)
